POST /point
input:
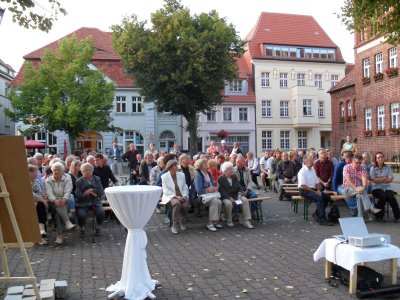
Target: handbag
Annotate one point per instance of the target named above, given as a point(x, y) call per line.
point(209, 196)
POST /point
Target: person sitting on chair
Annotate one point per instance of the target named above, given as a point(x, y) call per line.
point(310, 188)
point(230, 190)
point(89, 192)
point(286, 171)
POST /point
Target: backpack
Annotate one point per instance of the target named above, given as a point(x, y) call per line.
point(334, 214)
point(367, 278)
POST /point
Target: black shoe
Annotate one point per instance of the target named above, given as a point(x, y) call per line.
point(97, 233)
point(325, 222)
point(82, 233)
point(315, 216)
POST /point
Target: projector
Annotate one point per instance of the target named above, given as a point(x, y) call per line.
point(369, 240)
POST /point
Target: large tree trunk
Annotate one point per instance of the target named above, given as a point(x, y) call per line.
point(71, 139)
point(191, 127)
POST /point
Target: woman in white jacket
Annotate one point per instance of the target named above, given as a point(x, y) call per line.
point(176, 192)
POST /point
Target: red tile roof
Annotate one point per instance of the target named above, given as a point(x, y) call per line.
point(245, 72)
point(287, 29)
point(104, 58)
point(346, 82)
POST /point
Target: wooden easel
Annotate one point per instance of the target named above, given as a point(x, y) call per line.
point(20, 244)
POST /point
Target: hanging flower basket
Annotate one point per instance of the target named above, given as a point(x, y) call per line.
point(348, 119)
point(392, 71)
point(378, 76)
point(222, 134)
point(366, 80)
point(367, 133)
point(379, 132)
point(393, 131)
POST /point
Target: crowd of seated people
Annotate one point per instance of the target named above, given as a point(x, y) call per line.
point(221, 180)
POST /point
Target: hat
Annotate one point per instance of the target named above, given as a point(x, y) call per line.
point(223, 142)
point(170, 164)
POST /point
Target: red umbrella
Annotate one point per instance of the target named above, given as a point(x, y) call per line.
point(32, 144)
point(65, 149)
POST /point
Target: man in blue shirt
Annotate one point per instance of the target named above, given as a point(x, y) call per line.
point(338, 180)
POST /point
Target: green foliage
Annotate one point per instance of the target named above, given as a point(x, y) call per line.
point(63, 93)
point(35, 14)
point(182, 61)
point(379, 17)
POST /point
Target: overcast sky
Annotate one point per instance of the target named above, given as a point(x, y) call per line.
point(16, 41)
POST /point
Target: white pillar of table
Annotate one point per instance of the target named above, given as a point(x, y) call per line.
point(133, 206)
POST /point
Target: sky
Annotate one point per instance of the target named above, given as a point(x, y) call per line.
point(16, 41)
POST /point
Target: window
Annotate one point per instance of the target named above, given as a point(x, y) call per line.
point(318, 80)
point(381, 117)
point(349, 109)
point(284, 109)
point(393, 57)
point(265, 108)
point(307, 109)
point(379, 63)
point(235, 86)
point(264, 79)
point(394, 108)
point(243, 116)
point(227, 114)
point(300, 52)
point(342, 110)
point(137, 104)
point(366, 72)
point(283, 79)
point(211, 117)
point(301, 79)
point(368, 118)
point(321, 112)
point(334, 80)
point(121, 104)
point(266, 140)
point(285, 140)
point(302, 139)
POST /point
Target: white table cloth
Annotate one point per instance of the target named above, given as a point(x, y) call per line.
point(133, 206)
point(347, 256)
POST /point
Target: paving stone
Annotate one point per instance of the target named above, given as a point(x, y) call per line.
point(29, 292)
point(47, 282)
point(61, 289)
point(14, 290)
point(13, 297)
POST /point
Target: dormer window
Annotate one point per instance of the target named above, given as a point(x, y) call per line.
point(313, 53)
point(236, 86)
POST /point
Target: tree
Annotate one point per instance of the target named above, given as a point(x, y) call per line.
point(32, 14)
point(63, 93)
point(182, 62)
point(380, 17)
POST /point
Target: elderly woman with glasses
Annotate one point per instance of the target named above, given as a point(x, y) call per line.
point(175, 192)
point(382, 176)
point(58, 191)
point(230, 190)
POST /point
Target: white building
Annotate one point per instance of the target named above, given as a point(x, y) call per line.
point(7, 74)
point(295, 63)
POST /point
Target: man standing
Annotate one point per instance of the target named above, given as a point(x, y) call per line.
point(152, 150)
point(103, 171)
point(355, 184)
point(310, 188)
point(213, 147)
point(349, 145)
point(286, 172)
point(236, 149)
point(130, 157)
point(116, 160)
point(223, 148)
point(264, 168)
point(324, 169)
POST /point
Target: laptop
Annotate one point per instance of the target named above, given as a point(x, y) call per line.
point(354, 226)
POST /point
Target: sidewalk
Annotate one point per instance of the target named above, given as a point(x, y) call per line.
point(272, 261)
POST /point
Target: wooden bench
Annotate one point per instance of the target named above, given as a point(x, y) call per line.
point(259, 201)
point(307, 203)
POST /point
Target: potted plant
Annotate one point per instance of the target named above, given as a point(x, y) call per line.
point(348, 119)
point(393, 131)
point(367, 133)
point(380, 132)
point(222, 134)
point(366, 80)
point(341, 119)
point(392, 71)
point(378, 76)
point(354, 118)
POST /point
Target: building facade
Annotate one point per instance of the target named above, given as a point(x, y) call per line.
point(235, 115)
point(372, 115)
point(294, 64)
point(139, 121)
point(7, 74)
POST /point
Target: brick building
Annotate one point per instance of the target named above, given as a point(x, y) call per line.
point(366, 103)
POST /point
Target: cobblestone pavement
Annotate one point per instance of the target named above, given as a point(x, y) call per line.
point(272, 261)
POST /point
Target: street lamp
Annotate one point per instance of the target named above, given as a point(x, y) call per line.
point(2, 10)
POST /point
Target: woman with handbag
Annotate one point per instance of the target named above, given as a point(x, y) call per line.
point(204, 185)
